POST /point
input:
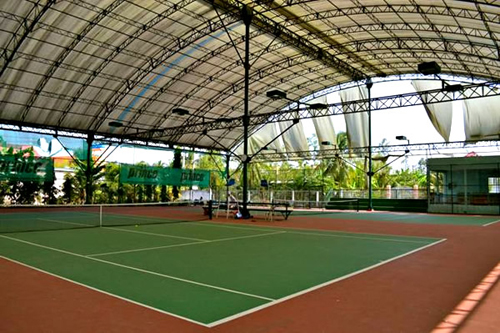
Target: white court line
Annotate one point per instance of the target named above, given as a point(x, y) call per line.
point(104, 292)
point(135, 217)
point(487, 224)
point(327, 233)
point(142, 249)
point(65, 222)
point(139, 269)
point(153, 234)
point(241, 314)
point(280, 300)
point(360, 237)
point(186, 244)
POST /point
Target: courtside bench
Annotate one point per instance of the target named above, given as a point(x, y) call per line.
point(270, 208)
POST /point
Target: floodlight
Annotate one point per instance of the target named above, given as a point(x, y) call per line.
point(326, 143)
point(452, 87)
point(401, 137)
point(180, 112)
point(429, 68)
point(318, 106)
point(115, 124)
point(224, 120)
point(276, 94)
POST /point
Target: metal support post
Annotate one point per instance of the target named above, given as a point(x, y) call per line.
point(228, 158)
point(369, 85)
point(247, 19)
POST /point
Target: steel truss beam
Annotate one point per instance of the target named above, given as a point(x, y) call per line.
point(464, 13)
point(100, 137)
point(25, 27)
point(377, 103)
point(265, 24)
point(230, 90)
point(160, 57)
point(415, 150)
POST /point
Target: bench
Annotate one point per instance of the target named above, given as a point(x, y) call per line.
point(284, 211)
point(269, 207)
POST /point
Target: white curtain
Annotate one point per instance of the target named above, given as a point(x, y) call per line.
point(295, 138)
point(440, 114)
point(324, 126)
point(261, 138)
point(482, 118)
point(356, 123)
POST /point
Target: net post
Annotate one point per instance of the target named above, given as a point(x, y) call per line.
point(100, 216)
point(357, 205)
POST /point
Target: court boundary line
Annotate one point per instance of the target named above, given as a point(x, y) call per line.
point(142, 249)
point(488, 224)
point(159, 219)
point(152, 234)
point(188, 244)
point(140, 269)
point(65, 222)
point(327, 232)
point(409, 215)
point(324, 284)
point(271, 302)
point(102, 291)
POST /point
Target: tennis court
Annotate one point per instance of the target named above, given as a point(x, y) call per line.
point(201, 271)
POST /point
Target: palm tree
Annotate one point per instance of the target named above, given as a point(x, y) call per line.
point(337, 169)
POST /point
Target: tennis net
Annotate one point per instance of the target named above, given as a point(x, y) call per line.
point(22, 218)
point(324, 207)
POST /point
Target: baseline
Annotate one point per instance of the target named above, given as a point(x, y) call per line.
point(138, 269)
point(305, 291)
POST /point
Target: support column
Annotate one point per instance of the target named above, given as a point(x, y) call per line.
point(369, 85)
point(247, 19)
point(228, 158)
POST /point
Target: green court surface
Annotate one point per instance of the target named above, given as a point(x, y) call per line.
point(479, 220)
point(204, 272)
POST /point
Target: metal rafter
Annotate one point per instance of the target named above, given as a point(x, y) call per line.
point(377, 103)
point(66, 51)
point(262, 22)
point(321, 35)
point(491, 35)
point(25, 27)
point(439, 34)
point(419, 149)
point(118, 50)
point(162, 56)
point(230, 90)
point(403, 9)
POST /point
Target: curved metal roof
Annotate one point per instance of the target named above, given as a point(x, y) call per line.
point(80, 64)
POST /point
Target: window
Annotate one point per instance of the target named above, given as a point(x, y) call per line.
point(493, 184)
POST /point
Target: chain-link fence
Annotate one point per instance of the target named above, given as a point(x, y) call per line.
point(315, 197)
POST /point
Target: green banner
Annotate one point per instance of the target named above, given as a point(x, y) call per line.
point(148, 175)
point(26, 169)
